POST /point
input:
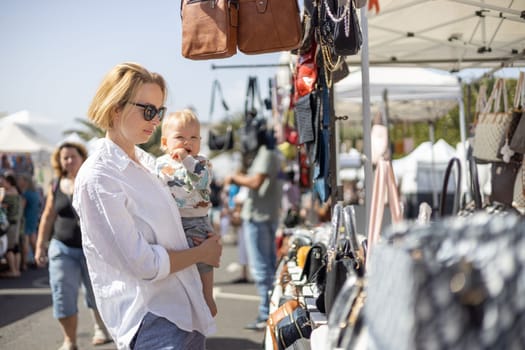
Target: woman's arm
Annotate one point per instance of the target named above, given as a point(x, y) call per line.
point(208, 252)
point(45, 228)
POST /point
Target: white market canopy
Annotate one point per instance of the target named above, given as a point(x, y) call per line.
point(16, 138)
point(413, 94)
point(48, 128)
point(446, 34)
point(423, 169)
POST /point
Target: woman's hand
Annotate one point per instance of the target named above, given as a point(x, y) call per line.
point(40, 257)
point(211, 249)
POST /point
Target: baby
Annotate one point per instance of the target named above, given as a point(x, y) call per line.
point(188, 175)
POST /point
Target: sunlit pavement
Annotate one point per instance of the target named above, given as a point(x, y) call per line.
point(26, 321)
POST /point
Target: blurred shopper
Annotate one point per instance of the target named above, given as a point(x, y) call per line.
point(32, 209)
point(67, 265)
point(260, 215)
point(237, 196)
point(13, 204)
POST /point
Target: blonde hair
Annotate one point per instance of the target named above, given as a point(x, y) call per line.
point(55, 157)
point(185, 117)
point(118, 87)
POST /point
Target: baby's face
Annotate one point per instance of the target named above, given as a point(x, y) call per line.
point(185, 136)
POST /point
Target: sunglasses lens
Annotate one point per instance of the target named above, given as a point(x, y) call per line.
point(162, 112)
point(149, 112)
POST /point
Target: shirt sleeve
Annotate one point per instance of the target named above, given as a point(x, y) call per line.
point(199, 171)
point(110, 233)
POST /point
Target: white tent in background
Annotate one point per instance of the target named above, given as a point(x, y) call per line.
point(16, 138)
point(49, 128)
point(421, 173)
point(73, 137)
point(412, 94)
point(422, 170)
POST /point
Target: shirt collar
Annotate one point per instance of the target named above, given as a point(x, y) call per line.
point(122, 160)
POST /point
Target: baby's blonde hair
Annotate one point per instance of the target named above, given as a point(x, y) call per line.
point(185, 117)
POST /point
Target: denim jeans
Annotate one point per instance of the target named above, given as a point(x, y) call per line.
point(67, 271)
point(259, 238)
point(158, 333)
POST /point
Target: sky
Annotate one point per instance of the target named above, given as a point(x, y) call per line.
point(54, 54)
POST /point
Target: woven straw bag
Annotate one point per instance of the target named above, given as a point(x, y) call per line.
point(492, 125)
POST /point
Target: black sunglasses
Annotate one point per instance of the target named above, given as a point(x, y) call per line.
point(150, 111)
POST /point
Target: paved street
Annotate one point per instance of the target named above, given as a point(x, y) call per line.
point(26, 321)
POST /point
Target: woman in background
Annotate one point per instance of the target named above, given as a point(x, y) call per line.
point(67, 263)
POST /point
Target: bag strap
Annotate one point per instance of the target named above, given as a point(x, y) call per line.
point(351, 234)
point(475, 189)
point(519, 97)
point(216, 88)
point(493, 103)
point(481, 100)
point(252, 94)
point(384, 188)
point(457, 193)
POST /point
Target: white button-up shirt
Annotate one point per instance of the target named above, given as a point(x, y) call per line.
point(128, 220)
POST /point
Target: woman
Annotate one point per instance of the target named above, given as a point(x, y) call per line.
point(67, 263)
point(144, 275)
point(13, 205)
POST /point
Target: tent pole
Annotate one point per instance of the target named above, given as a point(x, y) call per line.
point(367, 124)
point(432, 137)
point(463, 138)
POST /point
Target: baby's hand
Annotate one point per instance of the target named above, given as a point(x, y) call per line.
point(179, 154)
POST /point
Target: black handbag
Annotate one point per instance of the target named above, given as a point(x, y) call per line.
point(457, 194)
point(296, 326)
point(219, 140)
point(343, 258)
point(503, 177)
point(340, 27)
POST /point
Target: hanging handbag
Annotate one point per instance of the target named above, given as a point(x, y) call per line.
point(346, 321)
point(308, 26)
point(457, 192)
point(219, 140)
point(492, 125)
point(506, 153)
point(344, 29)
point(305, 77)
point(517, 139)
point(518, 197)
point(341, 261)
point(254, 128)
point(268, 26)
point(209, 28)
point(503, 177)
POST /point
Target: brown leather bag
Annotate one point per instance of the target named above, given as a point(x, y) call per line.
point(209, 28)
point(283, 311)
point(268, 26)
